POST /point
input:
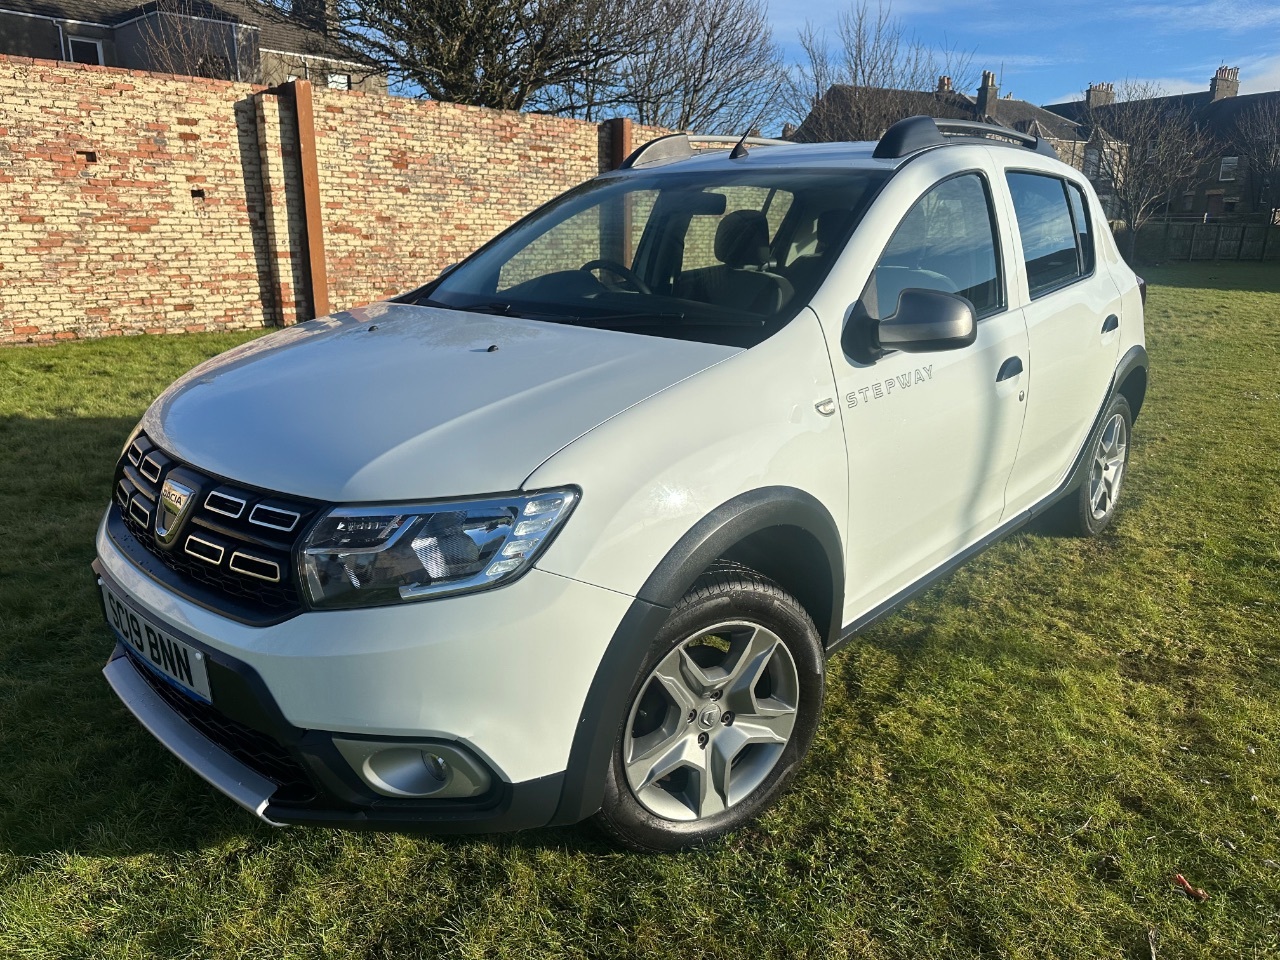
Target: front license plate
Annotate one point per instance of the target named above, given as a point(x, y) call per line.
point(178, 661)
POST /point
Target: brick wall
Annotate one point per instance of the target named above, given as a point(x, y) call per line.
point(103, 229)
point(410, 186)
point(136, 202)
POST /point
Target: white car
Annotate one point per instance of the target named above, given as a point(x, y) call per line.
point(571, 530)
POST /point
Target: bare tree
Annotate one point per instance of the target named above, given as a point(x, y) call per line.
point(489, 53)
point(708, 65)
point(1150, 150)
point(705, 65)
point(877, 74)
point(1255, 135)
point(180, 41)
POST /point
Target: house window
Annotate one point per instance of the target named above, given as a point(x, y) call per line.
point(85, 51)
point(1091, 163)
point(1188, 201)
point(339, 81)
point(214, 68)
point(1227, 168)
point(1229, 204)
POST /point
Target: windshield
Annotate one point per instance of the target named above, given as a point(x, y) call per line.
point(717, 256)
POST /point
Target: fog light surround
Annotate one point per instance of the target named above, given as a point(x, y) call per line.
point(416, 770)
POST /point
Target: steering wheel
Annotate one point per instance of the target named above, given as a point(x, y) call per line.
point(614, 267)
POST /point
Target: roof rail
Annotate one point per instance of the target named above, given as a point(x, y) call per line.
point(679, 146)
point(918, 133)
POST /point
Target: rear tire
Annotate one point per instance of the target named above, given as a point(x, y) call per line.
point(1090, 510)
point(721, 713)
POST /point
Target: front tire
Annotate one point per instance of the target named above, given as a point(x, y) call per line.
point(720, 715)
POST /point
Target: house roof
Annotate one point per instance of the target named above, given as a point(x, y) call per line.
point(1026, 117)
point(1218, 115)
point(943, 104)
point(276, 30)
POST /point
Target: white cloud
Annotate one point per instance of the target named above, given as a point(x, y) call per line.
point(1259, 74)
point(1021, 61)
point(1231, 16)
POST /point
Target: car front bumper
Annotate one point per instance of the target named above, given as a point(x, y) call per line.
point(502, 675)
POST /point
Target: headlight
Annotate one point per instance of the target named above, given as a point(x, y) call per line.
point(365, 556)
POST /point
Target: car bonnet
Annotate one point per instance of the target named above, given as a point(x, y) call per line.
point(397, 402)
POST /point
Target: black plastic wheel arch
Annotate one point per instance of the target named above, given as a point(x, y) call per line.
point(733, 523)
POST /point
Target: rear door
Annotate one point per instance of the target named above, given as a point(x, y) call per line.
point(1072, 310)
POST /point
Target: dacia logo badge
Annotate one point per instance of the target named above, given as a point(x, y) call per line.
point(175, 499)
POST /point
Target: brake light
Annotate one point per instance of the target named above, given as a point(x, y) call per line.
point(1142, 288)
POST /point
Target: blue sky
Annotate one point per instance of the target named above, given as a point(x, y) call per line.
point(1050, 51)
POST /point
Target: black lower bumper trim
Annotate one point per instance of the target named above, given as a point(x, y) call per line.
point(523, 806)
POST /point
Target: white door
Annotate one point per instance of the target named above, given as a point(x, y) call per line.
point(931, 437)
point(1073, 316)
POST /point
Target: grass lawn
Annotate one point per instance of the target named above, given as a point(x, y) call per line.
point(1015, 765)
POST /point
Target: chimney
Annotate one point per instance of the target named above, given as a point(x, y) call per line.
point(1099, 95)
point(944, 84)
point(988, 94)
point(1225, 83)
point(319, 15)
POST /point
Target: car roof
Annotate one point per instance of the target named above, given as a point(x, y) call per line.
point(904, 140)
point(778, 155)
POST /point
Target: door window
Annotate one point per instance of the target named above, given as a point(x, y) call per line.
point(1051, 246)
point(1084, 239)
point(946, 242)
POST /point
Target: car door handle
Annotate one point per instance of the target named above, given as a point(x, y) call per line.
point(1111, 323)
point(1009, 369)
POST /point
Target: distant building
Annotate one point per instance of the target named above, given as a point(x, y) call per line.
point(224, 39)
point(1239, 180)
point(860, 113)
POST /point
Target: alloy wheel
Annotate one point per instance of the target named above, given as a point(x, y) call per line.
point(1108, 467)
point(711, 721)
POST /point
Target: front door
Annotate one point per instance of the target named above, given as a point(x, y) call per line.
point(932, 437)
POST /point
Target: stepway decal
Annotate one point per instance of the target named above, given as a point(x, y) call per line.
point(884, 388)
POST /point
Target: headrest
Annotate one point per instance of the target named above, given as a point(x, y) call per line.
point(742, 239)
point(832, 225)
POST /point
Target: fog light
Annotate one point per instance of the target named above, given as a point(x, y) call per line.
point(434, 770)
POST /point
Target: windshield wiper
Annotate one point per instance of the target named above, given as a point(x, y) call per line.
point(658, 319)
point(497, 308)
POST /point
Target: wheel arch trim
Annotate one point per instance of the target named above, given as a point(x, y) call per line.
point(734, 522)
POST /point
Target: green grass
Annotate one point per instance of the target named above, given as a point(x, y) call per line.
point(1015, 765)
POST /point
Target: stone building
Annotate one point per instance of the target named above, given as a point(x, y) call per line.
point(221, 39)
point(1241, 178)
point(860, 113)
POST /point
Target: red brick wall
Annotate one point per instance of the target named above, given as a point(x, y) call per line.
point(100, 232)
point(123, 244)
point(410, 186)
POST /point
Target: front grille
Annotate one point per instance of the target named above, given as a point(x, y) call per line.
point(255, 750)
point(232, 542)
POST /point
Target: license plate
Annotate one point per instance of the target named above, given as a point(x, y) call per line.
point(169, 656)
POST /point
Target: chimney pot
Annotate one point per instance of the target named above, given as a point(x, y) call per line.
point(1225, 83)
point(1099, 95)
point(988, 95)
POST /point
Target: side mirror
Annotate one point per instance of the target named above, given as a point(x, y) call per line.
point(928, 320)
